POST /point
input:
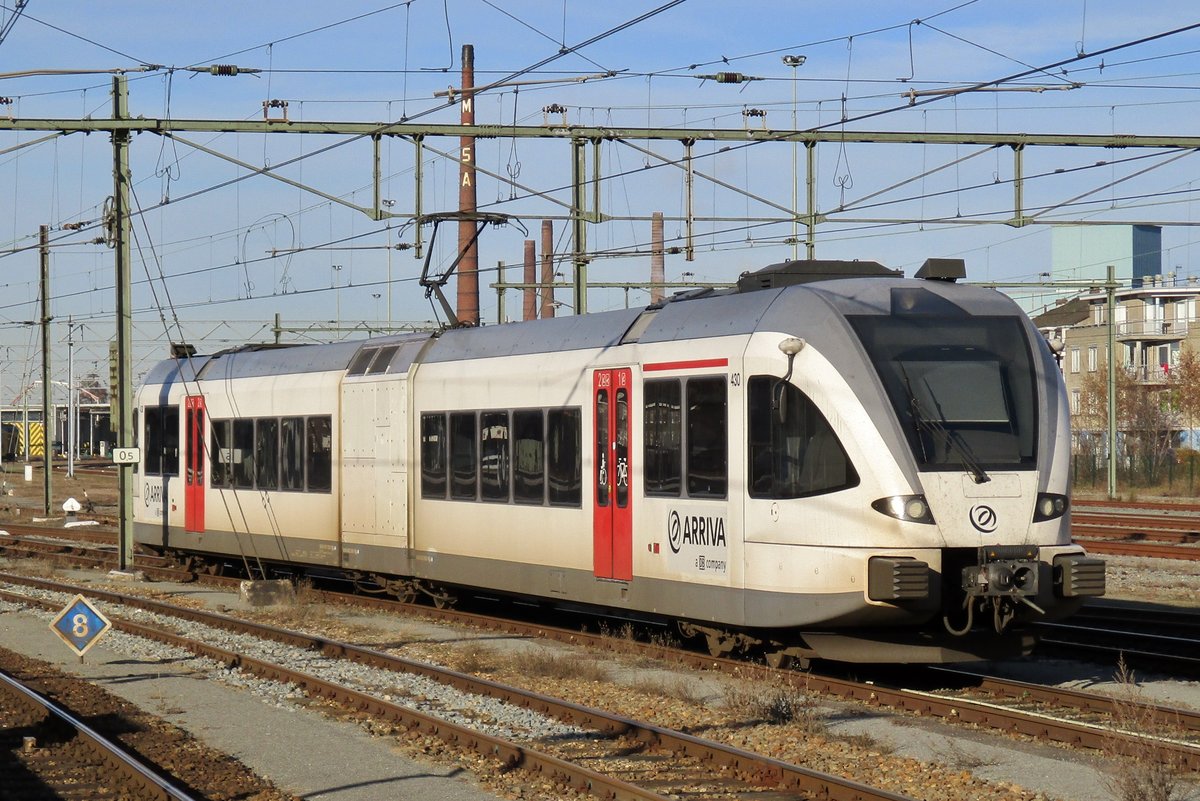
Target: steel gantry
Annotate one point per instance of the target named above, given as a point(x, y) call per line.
point(578, 212)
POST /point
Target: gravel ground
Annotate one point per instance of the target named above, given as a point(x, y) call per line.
point(1167, 581)
point(911, 755)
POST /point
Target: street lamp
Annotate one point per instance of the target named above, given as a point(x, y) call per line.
point(794, 61)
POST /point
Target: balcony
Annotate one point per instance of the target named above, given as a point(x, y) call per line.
point(1153, 330)
point(1148, 373)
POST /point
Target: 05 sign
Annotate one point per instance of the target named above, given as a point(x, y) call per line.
point(126, 455)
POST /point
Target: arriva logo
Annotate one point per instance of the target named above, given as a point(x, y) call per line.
point(674, 531)
point(984, 518)
point(697, 530)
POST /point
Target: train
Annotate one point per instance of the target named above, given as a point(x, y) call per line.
point(827, 460)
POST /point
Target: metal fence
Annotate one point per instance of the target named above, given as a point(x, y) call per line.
point(1175, 473)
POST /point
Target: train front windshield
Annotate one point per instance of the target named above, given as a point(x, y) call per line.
point(962, 387)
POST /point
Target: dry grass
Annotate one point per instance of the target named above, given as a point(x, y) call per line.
point(35, 567)
point(536, 662)
point(1138, 773)
point(474, 658)
point(675, 687)
point(777, 703)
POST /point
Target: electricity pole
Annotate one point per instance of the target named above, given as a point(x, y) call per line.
point(119, 232)
point(48, 416)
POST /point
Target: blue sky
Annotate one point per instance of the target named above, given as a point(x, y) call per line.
point(361, 61)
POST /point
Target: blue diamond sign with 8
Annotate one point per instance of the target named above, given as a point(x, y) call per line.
point(80, 625)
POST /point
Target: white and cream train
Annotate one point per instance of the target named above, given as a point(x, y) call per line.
point(830, 460)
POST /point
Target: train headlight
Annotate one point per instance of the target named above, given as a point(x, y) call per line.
point(910, 508)
point(1049, 506)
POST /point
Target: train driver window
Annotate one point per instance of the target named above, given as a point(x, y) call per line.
point(433, 456)
point(793, 450)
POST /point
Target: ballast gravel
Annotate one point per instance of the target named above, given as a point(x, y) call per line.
point(914, 756)
point(420, 693)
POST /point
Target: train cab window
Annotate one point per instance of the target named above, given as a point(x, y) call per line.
point(529, 457)
point(243, 454)
point(707, 438)
point(220, 469)
point(291, 453)
point(162, 440)
point(320, 454)
point(463, 462)
point(266, 453)
point(662, 460)
point(793, 450)
point(433, 456)
point(493, 456)
point(564, 446)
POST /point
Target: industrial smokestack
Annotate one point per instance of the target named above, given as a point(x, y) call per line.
point(468, 268)
point(657, 261)
point(547, 269)
point(529, 310)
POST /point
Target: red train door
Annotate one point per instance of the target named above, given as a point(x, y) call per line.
point(194, 462)
point(612, 542)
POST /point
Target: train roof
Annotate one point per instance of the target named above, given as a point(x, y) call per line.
point(809, 299)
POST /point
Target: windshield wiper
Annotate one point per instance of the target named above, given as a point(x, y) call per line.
point(953, 439)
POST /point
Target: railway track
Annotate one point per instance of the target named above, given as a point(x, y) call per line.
point(599, 752)
point(47, 752)
point(1159, 637)
point(1071, 717)
point(1155, 530)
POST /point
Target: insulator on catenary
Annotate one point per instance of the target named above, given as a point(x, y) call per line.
point(223, 69)
point(730, 77)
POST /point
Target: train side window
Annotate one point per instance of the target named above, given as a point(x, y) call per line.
point(291, 453)
point(463, 462)
point(529, 456)
point(170, 441)
point(266, 453)
point(564, 446)
point(243, 454)
point(493, 456)
point(162, 440)
point(152, 441)
point(320, 454)
point(220, 455)
point(793, 450)
point(662, 430)
point(433, 456)
point(707, 438)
